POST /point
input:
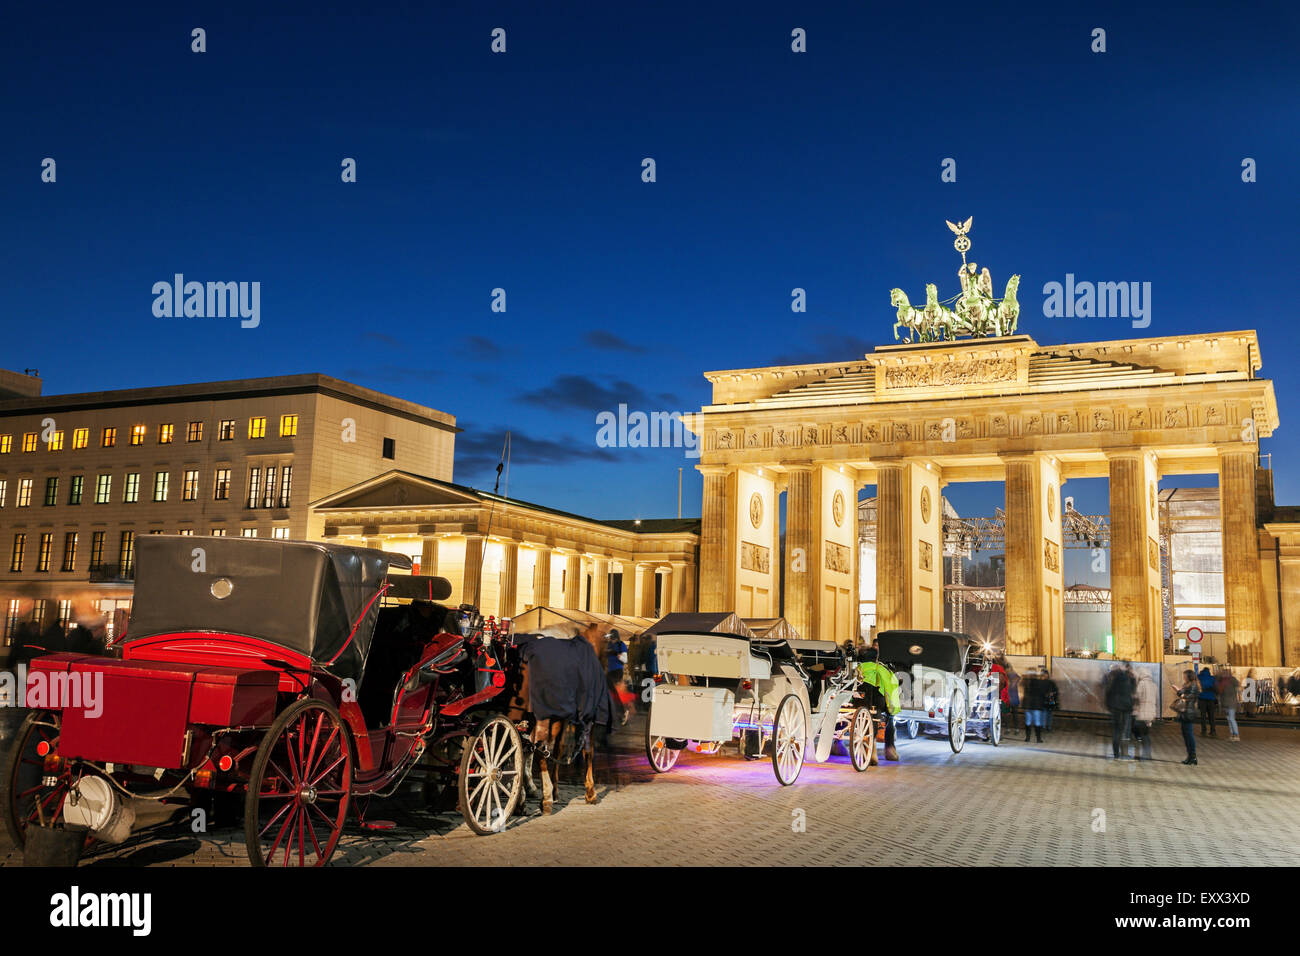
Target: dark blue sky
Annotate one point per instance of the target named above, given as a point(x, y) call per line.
point(523, 171)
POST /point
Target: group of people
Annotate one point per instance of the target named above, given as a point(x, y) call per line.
point(1133, 702)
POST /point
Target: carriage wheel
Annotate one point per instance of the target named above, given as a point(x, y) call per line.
point(661, 756)
point(300, 788)
point(995, 726)
point(957, 723)
point(491, 775)
point(25, 782)
point(789, 738)
point(862, 739)
point(913, 728)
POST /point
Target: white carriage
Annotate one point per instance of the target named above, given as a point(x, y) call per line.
point(792, 699)
point(938, 691)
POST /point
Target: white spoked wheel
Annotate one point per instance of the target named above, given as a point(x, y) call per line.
point(789, 738)
point(661, 756)
point(913, 728)
point(957, 723)
point(491, 775)
point(862, 739)
point(995, 726)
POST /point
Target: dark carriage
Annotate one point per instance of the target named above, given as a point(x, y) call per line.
point(280, 672)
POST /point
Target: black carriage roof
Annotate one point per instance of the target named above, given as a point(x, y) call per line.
point(944, 650)
point(317, 599)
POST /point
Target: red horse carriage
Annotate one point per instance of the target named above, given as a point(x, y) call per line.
point(272, 670)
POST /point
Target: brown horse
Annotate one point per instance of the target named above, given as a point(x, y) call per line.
point(551, 736)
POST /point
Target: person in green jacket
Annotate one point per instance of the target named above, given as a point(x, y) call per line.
point(883, 691)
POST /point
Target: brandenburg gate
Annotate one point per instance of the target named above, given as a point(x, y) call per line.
point(911, 418)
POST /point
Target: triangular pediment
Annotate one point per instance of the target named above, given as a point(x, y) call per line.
point(399, 489)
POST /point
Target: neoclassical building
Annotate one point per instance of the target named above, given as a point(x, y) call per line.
point(521, 555)
point(804, 440)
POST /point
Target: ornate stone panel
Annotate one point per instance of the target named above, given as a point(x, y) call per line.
point(755, 557)
point(838, 558)
point(926, 556)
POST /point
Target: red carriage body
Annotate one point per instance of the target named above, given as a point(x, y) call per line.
point(271, 669)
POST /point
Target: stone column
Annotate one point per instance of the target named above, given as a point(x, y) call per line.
point(1024, 563)
point(690, 601)
point(1241, 584)
point(718, 540)
point(1136, 618)
point(667, 604)
point(470, 587)
point(680, 595)
point(1289, 606)
point(892, 589)
point(542, 578)
point(600, 585)
point(645, 590)
point(803, 555)
point(573, 583)
point(508, 604)
point(429, 555)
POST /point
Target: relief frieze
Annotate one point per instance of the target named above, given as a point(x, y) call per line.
point(979, 372)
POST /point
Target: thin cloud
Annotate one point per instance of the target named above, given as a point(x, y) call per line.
point(601, 339)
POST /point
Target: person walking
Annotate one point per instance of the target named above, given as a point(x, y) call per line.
point(1229, 698)
point(1033, 695)
point(1144, 714)
point(1208, 699)
point(1118, 690)
point(615, 661)
point(1185, 706)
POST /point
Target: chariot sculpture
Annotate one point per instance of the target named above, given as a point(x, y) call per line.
point(975, 312)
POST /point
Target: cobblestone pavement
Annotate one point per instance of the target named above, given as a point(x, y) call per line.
point(1063, 802)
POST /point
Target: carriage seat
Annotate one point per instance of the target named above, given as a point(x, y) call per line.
point(401, 634)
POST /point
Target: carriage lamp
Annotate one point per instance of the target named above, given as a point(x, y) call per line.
point(53, 764)
point(203, 778)
point(746, 685)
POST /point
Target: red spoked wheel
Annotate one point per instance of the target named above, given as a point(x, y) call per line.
point(27, 785)
point(300, 788)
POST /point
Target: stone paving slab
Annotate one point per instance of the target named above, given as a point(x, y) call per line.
point(1063, 802)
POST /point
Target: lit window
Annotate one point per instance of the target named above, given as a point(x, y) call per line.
point(165, 434)
point(286, 479)
point(268, 497)
point(218, 532)
point(96, 549)
point(6, 444)
point(191, 490)
point(137, 434)
point(25, 493)
point(43, 557)
point(65, 614)
point(288, 426)
point(132, 492)
point(257, 428)
point(227, 432)
point(11, 619)
point(70, 551)
point(160, 483)
point(185, 532)
point(194, 431)
point(75, 491)
point(16, 556)
point(29, 441)
point(221, 485)
point(4, 490)
point(103, 489)
point(159, 531)
point(126, 563)
point(109, 437)
point(80, 438)
point(51, 491)
point(56, 441)
point(279, 532)
point(248, 532)
point(253, 475)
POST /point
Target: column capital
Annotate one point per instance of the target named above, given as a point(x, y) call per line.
point(714, 470)
point(1237, 448)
